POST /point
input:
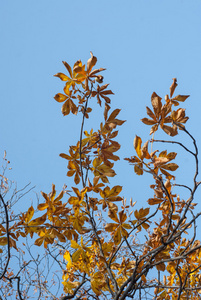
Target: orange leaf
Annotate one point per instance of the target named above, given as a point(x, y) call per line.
point(67, 67)
point(62, 76)
point(60, 97)
point(153, 201)
point(42, 206)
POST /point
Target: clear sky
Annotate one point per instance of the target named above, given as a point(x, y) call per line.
point(143, 45)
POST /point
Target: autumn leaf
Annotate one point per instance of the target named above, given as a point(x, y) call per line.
point(173, 86)
point(119, 229)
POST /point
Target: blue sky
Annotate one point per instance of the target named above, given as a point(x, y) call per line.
point(143, 45)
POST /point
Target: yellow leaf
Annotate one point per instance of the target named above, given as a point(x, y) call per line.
point(38, 221)
point(76, 255)
point(115, 190)
point(97, 161)
point(29, 214)
point(42, 206)
point(97, 282)
point(137, 145)
point(67, 67)
point(62, 76)
point(74, 244)
point(68, 258)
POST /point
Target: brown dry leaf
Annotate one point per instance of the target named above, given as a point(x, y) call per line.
point(173, 86)
point(107, 108)
point(153, 201)
point(156, 103)
point(154, 128)
point(91, 62)
point(148, 121)
point(172, 131)
point(160, 161)
point(181, 98)
point(60, 97)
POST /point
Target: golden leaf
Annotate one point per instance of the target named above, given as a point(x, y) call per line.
point(42, 206)
point(3, 241)
point(29, 214)
point(138, 169)
point(111, 227)
point(117, 236)
point(60, 97)
point(170, 167)
point(137, 145)
point(62, 76)
point(67, 67)
point(112, 214)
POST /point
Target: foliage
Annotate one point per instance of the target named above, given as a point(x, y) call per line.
point(105, 248)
